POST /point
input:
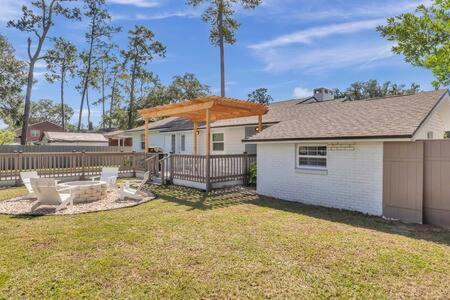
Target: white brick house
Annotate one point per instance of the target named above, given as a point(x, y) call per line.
point(331, 154)
point(316, 150)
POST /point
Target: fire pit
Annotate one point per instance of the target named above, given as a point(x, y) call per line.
point(87, 191)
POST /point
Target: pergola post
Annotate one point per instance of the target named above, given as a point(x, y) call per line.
point(260, 128)
point(208, 145)
point(195, 137)
point(146, 136)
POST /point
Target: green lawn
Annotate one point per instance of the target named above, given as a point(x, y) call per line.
point(229, 245)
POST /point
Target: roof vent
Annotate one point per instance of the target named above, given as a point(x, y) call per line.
point(323, 94)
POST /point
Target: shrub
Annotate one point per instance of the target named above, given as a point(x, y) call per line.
point(252, 174)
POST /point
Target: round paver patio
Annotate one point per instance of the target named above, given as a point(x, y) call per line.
point(22, 206)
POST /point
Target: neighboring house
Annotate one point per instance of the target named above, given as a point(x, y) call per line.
point(316, 150)
point(331, 153)
point(119, 138)
point(74, 139)
point(36, 131)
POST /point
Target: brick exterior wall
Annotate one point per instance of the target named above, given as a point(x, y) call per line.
point(353, 181)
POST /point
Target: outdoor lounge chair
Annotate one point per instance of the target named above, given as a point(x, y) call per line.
point(48, 193)
point(108, 175)
point(128, 192)
point(25, 177)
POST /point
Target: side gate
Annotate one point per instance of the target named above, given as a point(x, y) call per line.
point(416, 181)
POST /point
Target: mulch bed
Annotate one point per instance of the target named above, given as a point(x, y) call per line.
point(22, 206)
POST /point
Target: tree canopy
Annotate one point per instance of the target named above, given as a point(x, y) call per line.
point(12, 79)
point(260, 95)
point(373, 89)
point(423, 38)
point(49, 110)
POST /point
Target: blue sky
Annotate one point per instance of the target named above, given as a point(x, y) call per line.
point(287, 46)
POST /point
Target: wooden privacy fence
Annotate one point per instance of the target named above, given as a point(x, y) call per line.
point(61, 148)
point(222, 168)
point(69, 164)
point(416, 183)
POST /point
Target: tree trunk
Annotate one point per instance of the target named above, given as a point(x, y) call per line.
point(222, 51)
point(103, 99)
point(87, 75)
point(89, 110)
point(63, 121)
point(111, 105)
point(131, 106)
point(26, 114)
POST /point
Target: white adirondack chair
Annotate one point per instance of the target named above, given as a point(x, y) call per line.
point(48, 193)
point(128, 192)
point(108, 175)
point(25, 177)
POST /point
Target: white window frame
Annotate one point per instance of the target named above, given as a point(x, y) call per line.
point(173, 143)
point(308, 167)
point(142, 141)
point(217, 142)
point(37, 131)
point(183, 143)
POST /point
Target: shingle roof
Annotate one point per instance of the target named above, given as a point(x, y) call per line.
point(74, 137)
point(301, 119)
point(398, 116)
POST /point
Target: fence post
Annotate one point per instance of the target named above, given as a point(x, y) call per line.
point(83, 177)
point(163, 171)
point(171, 167)
point(18, 167)
point(134, 163)
point(244, 169)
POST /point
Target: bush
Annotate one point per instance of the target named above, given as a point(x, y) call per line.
point(6, 137)
point(252, 174)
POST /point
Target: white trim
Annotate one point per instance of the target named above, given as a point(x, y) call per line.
point(217, 142)
point(307, 167)
point(346, 141)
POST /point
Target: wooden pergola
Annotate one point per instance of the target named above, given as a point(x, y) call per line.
point(205, 109)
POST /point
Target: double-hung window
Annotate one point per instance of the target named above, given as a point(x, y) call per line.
point(218, 142)
point(312, 157)
point(173, 140)
point(35, 133)
point(183, 143)
point(142, 141)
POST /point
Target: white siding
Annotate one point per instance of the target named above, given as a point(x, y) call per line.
point(354, 179)
point(438, 122)
point(233, 137)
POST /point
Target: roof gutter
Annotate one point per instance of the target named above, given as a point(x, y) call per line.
point(328, 139)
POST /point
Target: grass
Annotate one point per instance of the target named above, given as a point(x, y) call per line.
point(228, 245)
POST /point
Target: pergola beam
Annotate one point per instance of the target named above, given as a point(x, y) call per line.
point(174, 111)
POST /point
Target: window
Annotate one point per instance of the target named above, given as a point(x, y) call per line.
point(173, 140)
point(183, 143)
point(35, 133)
point(313, 157)
point(430, 135)
point(218, 142)
point(142, 141)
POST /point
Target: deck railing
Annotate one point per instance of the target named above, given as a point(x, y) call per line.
point(69, 164)
point(222, 168)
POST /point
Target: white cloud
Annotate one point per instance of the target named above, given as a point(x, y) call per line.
point(318, 59)
point(300, 92)
point(11, 9)
point(306, 36)
point(189, 13)
point(138, 3)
